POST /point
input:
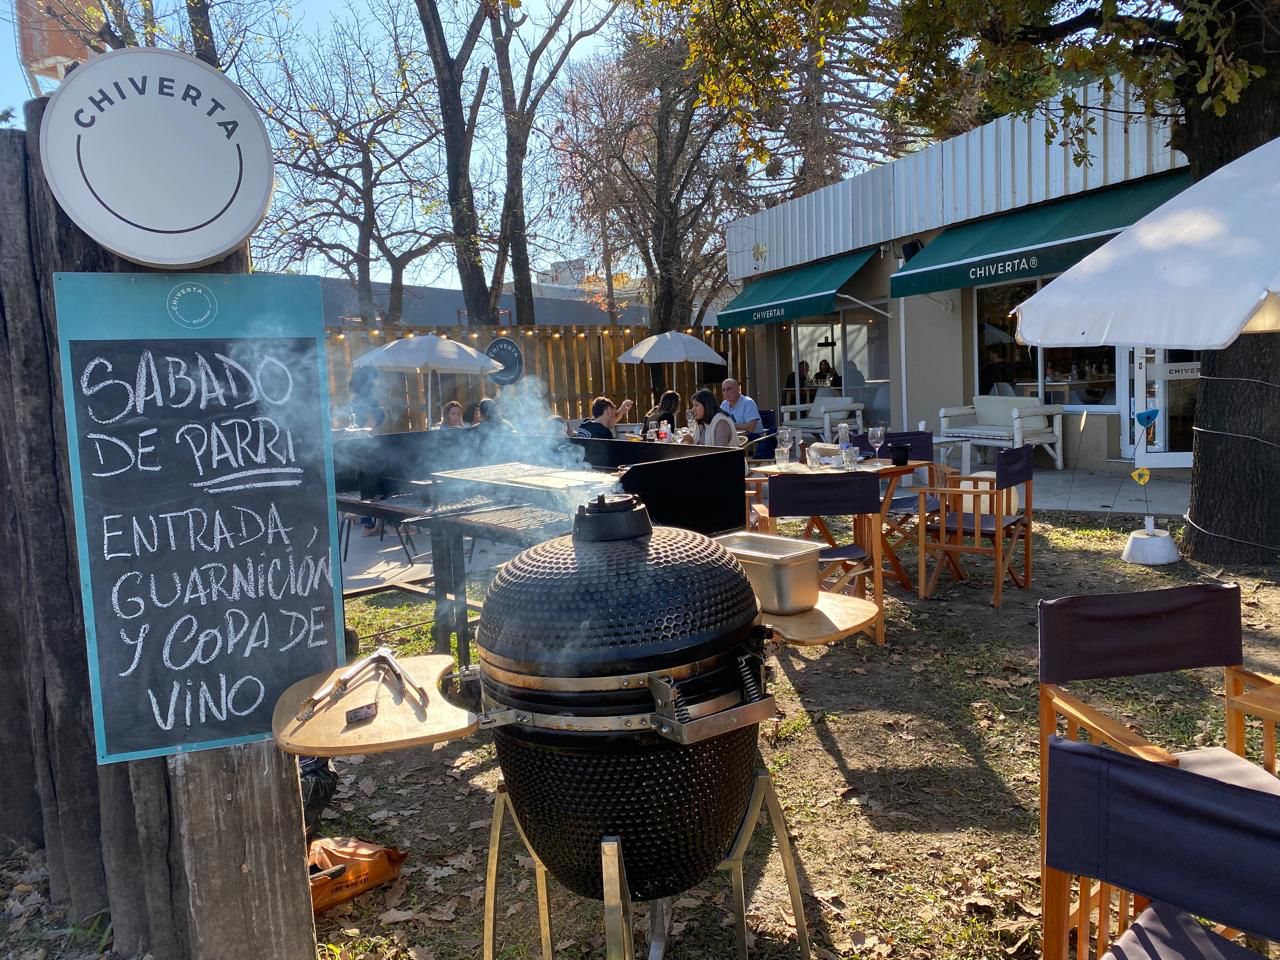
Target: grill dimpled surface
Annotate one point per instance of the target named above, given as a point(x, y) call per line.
point(676, 808)
point(575, 608)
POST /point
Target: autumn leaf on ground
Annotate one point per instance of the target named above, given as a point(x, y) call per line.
point(395, 892)
point(396, 916)
point(447, 912)
point(465, 861)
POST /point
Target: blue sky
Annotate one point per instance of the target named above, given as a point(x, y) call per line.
point(314, 14)
point(13, 87)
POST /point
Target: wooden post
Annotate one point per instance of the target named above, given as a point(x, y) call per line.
point(198, 856)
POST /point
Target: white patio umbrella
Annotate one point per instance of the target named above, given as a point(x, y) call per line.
point(429, 354)
point(671, 347)
point(1193, 274)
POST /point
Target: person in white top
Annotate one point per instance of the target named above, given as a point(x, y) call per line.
point(741, 408)
point(711, 427)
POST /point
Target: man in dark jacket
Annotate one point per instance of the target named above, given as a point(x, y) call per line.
point(604, 417)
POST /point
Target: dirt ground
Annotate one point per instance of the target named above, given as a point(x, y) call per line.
point(908, 775)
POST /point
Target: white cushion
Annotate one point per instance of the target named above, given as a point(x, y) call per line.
point(984, 502)
point(1221, 764)
point(998, 412)
point(832, 405)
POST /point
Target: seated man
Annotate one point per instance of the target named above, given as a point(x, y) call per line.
point(604, 416)
point(490, 419)
point(742, 409)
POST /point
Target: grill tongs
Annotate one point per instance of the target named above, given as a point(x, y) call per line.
point(383, 660)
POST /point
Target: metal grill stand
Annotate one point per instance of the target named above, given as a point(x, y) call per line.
point(617, 898)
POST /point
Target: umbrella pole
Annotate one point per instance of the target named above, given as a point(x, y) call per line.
point(430, 417)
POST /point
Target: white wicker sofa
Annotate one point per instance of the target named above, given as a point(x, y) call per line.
point(1002, 422)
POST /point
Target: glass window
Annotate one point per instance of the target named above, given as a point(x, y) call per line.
point(866, 363)
point(1080, 376)
point(853, 363)
point(1073, 376)
point(1005, 367)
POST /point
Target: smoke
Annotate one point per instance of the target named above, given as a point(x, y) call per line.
point(528, 443)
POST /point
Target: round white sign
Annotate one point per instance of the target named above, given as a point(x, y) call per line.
point(157, 156)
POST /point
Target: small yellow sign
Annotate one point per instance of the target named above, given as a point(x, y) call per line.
point(1142, 475)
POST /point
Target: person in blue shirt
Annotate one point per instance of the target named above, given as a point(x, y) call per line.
point(743, 410)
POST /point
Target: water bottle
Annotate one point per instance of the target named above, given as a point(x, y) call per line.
point(843, 430)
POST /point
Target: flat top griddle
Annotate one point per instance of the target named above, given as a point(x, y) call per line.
point(532, 478)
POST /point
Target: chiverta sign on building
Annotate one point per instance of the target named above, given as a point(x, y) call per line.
point(157, 156)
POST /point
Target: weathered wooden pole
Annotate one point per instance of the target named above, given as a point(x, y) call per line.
point(199, 855)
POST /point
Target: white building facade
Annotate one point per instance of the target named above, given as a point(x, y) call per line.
point(896, 285)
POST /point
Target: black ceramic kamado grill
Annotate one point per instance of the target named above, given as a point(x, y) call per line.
point(621, 671)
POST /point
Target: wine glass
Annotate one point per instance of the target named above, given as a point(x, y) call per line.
point(689, 419)
point(875, 436)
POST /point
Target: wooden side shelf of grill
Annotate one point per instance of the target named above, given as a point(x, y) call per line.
point(836, 616)
point(400, 722)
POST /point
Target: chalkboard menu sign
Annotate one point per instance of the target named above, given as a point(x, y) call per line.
point(198, 429)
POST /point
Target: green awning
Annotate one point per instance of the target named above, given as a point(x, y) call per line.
point(1031, 243)
point(806, 291)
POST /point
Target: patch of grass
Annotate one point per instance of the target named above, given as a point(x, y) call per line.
point(792, 727)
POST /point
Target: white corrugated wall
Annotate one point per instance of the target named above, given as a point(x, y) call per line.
point(997, 167)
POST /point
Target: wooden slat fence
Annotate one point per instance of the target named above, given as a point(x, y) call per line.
point(577, 364)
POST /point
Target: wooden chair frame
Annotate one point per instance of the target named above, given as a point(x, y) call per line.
point(901, 527)
point(986, 501)
point(1096, 906)
point(866, 534)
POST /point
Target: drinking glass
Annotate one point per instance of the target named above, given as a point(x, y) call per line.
point(782, 455)
point(784, 439)
point(812, 456)
point(875, 436)
point(850, 455)
point(689, 419)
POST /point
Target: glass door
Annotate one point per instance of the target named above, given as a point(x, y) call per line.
point(1165, 381)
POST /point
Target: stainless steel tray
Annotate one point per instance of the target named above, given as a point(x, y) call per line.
point(783, 572)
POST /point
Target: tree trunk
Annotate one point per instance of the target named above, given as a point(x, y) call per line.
point(457, 150)
point(395, 294)
point(18, 797)
point(154, 841)
point(49, 626)
point(610, 301)
point(521, 269)
point(202, 32)
point(1234, 512)
point(364, 285)
point(364, 245)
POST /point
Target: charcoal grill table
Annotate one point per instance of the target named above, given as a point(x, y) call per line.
point(520, 525)
point(401, 512)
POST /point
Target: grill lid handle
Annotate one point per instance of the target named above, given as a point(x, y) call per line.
point(612, 518)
